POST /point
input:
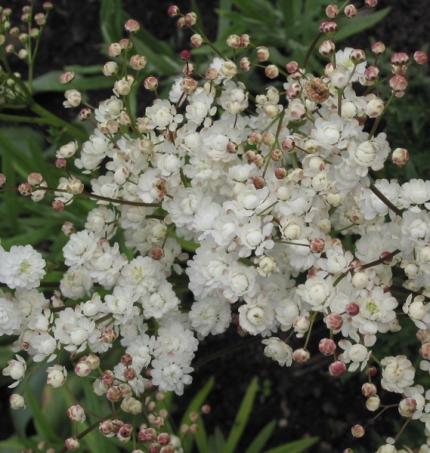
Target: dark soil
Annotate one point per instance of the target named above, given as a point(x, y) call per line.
point(304, 400)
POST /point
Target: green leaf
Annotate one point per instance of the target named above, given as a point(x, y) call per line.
point(49, 83)
point(40, 421)
point(194, 406)
point(350, 27)
point(112, 19)
point(13, 444)
point(262, 438)
point(223, 20)
point(298, 446)
point(242, 417)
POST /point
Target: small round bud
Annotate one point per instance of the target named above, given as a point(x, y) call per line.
point(421, 57)
point(190, 19)
point(400, 157)
point(352, 309)
point(368, 389)
point(58, 205)
point(76, 413)
point(333, 321)
point(280, 173)
point(206, 409)
point(110, 68)
point(271, 71)
point(371, 3)
point(138, 62)
point(173, 11)
point(358, 56)
point(292, 67)
point(35, 179)
point(66, 77)
point(358, 431)
point(25, 189)
point(327, 48)
point(407, 407)
point(114, 49)
point(151, 83)
point(337, 368)
point(263, 54)
point(82, 368)
point(327, 346)
point(331, 11)
point(132, 26)
point(258, 182)
point(196, 40)
point(276, 154)
point(2, 180)
point(378, 48)
point(301, 355)
point(71, 444)
point(233, 41)
point(373, 403)
point(350, 10)
point(328, 26)
point(425, 351)
point(16, 402)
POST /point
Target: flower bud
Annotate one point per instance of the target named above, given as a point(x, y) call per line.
point(301, 355)
point(2, 180)
point(368, 389)
point(73, 98)
point(328, 26)
point(358, 56)
point(337, 368)
point(375, 108)
point(263, 54)
point(425, 351)
point(173, 11)
point(331, 11)
point(292, 67)
point(110, 68)
point(76, 413)
point(137, 62)
point(271, 71)
point(196, 40)
point(352, 309)
point(421, 57)
point(16, 402)
point(333, 321)
point(327, 48)
point(407, 407)
point(132, 26)
point(280, 173)
point(71, 444)
point(378, 48)
point(66, 77)
point(56, 376)
point(25, 189)
point(358, 431)
point(371, 3)
point(35, 179)
point(350, 10)
point(327, 346)
point(373, 403)
point(151, 83)
point(82, 368)
point(245, 64)
point(400, 157)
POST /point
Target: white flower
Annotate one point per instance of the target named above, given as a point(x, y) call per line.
point(15, 370)
point(278, 350)
point(397, 373)
point(22, 267)
point(57, 375)
point(80, 248)
point(256, 317)
point(10, 317)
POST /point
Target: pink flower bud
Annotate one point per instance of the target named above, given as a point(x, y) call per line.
point(132, 26)
point(151, 83)
point(206, 409)
point(263, 54)
point(328, 26)
point(2, 180)
point(358, 431)
point(425, 351)
point(333, 321)
point(327, 346)
point(378, 47)
point(25, 189)
point(66, 77)
point(350, 10)
point(58, 205)
point(190, 19)
point(352, 309)
point(372, 371)
point(271, 71)
point(138, 62)
point(327, 48)
point(337, 368)
point(288, 144)
point(371, 3)
point(368, 389)
point(399, 58)
point(196, 40)
point(400, 157)
point(106, 427)
point(124, 432)
point(157, 253)
point(331, 11)
point(82, 368)
point(421, 57)
point(61, 163)
point(163, 438)
point(317, 245)
point(173, 11)
point(258, 182)
point(71, 444)
point(292, 67)
point(371, 73)
point(76, 413)
point(114, 393)
point(35, 179)
point(398, 83)
point(185, 54)
point(280, 173)
point(358, 56)
point(301, 355)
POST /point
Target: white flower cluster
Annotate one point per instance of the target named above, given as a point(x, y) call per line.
point(275, 202)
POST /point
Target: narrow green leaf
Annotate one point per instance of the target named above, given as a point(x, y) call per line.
point(112, 18)
point(298, 446)
point(262, 438)
point(49, 83)
point(242, 417)
point(223, 20)
point(40, 421)
point(350, 27)
point(194, 406)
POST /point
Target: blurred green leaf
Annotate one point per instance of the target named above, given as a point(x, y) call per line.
point(298, 446)
point(242, 417)
point(350, 27)
point(223, 20)
point(262, 438)
point(49, 83)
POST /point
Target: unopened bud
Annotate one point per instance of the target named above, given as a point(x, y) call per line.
point(301, 355)
point(358, 431)
point(400, 157)
point(368, 389)
point(327, 346)
point(132, 26)
point(151, 83)
point(263, 54)
point(350, 10)
point(421, 57)
point(337, 368)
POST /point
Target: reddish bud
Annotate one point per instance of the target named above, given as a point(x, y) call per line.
point(185, 54)
point(157, 253)
point(378, 48)
point(280, 172)
point(328, 27)
point(371, 3)
point(2, 179)
point(292, 67)
point(58, 205)
point(25, 189)
point(421, 57)
point(327, 346)
point(425, 351)
point(333, 321)
point(352, 309)
point(132, 26)
point(331, 11)
point(317, 245)
point(173, 11)
point(337, 368)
